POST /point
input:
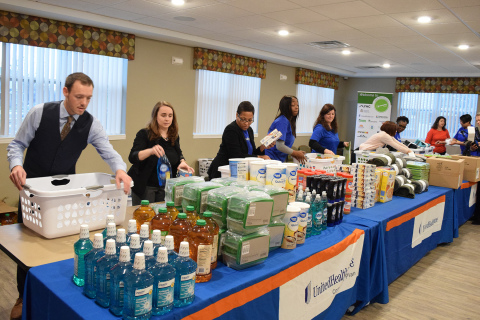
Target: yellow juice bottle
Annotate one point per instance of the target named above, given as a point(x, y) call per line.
point(161, 222)
point(179, 230)
point(172, 210)
point(192, 216)
point(200, 243)
point(143, 214)
point(214, 229)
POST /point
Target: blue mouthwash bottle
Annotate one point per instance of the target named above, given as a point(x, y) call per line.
point(110, 219)
point(164, 170)
point(132, 229)
point(325, 210)
point(163, 283)
point(111, 233)
point(317, 215)
point(134, 246)
point(184, 289)
point(117, 277)
point(104, 264)
point(148, 251)
point(144, 234)
point(91, 266)
point(172, 255)
point(157, 241)
point(120, 240)
point(137, 301)
point(81, 248)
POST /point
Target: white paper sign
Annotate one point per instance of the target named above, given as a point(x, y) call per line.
point(427, 223)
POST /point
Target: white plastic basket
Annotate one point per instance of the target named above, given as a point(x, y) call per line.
point(362, 156)
point(56, 206)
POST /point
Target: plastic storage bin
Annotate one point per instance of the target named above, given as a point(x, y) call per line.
point(56, 206)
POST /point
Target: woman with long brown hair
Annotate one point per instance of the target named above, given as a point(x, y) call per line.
point(159, 138)
point(325, 132)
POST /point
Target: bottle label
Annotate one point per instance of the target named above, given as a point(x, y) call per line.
point(105, 284)
point(187, 286)
point(75, 265)
point(204, 258)
point(120, 293)
point(178, 195)
point(309, 221)
point(203, 201)
point(215, 248)
point(143, 300)
point(165, 292)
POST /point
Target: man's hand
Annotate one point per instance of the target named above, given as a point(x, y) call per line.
point(122, 176)
point(18, 177)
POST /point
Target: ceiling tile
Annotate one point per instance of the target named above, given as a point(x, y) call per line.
point(218, 26)
point(346, 10)
point(438, 17)
point(444, 28)
point(119, 14)
point(468, 13)
point(296, 16)
point(403, 40)
point(74, 4)
point(314, 3)
point(456, 39)
point(396, 6)
point(347, 35)
point(179, 17)
point(263, 6)
point(106, 3)
point(378, 21)
point(460, 3)
point(219, 11)
point(323, 27)
point(390, 32)
point(142, 7)
point(256, 21)
point(189, 4)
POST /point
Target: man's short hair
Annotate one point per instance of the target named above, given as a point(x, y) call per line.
point(80, 76)
point(466, 118)
point(402, 118)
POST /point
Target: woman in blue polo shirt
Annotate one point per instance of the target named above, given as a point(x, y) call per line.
point(462, 134)
point(325, 137)
point(285, 122)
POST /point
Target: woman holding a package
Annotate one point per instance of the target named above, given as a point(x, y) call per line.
point(237, 140)
point(159, 138)
point(285, 122)
point(325, 132)
point(438, 135)
point(385, 137)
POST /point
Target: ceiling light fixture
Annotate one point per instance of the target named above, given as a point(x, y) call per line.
point(283, 33)
point(463, 46)
point(424, 19)
point(178, 2)
point(386, 65)
point(346, 52)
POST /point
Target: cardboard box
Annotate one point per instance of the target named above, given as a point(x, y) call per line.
point(471, 171)
point(446, 173)
point(387, 183)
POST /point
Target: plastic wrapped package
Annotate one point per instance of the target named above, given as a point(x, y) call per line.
point(243, 251)
point(276, 230)
point(254, 209)
point(217, 202)
point(221, 240)
point(174, 188)
point(279, 196)
point(195, 194)
point(247, 184)
point(224, 181)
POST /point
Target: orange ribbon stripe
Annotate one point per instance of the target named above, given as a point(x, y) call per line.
point(467, 185)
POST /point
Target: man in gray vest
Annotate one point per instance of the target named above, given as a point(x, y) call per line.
point(55, 134)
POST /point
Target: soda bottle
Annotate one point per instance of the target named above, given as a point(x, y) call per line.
point(161, 222)
point(148, 251)
point(137, 303)
point(144, 234)
point(143, 214)
point(135, 245)
point(172, 255)
point(120, 240)
point(110, 219)
point(163, 283)
point(81, 248)
point(214, 229)
point(132, 229)
point(117, 276)
point(164, 170)
point(91, 266)
point(317, 215)
point(200, 242)
point(172, 210)
point(104, 264)
point(179, 230)
point(192, 216)
point(157, 241)
point(111, 233)
point(184, 288)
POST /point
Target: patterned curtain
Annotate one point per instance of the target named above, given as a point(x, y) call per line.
point(438, 85)
point(219, 61)
point(316, 78)
point(48, 33)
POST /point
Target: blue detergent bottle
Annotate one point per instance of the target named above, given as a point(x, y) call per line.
point(184, 289)
point(111, 233)
point(132, 229)
point(163, 284)
point(91, 266)
point(164, 170)
point(120, 240)
point(169, 244)
point(135, 246)
point(157, 241)
point(148, 251)
point(104, 264)
point(81, 248)
point(110, 218)
point(117, 276)
point(137, 301)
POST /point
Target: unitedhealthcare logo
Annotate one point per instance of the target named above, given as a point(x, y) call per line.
point(308, 293)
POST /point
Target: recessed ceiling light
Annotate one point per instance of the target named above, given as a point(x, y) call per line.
point(283, 32)
point(424, 19)
point(463, 46)
point(386, 65)
point(346, 52)
point(178, 2)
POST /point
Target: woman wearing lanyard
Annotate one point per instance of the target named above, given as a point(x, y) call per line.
point(438, 134)
point(462, 134)
point(237, 140)
point(285, 122)
point(325, 137)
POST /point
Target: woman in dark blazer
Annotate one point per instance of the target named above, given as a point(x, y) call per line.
point(158, 138)
point(237, 140)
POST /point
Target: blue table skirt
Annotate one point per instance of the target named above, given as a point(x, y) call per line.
point(50, 293)
point(399, 252)
point(464, 204)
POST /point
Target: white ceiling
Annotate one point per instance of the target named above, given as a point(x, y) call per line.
point(378, 31)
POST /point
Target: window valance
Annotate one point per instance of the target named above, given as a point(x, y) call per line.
point(438, 85)
point(316, 78)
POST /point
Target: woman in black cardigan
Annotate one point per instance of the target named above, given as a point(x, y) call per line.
point(158, 138)
point(237, 140)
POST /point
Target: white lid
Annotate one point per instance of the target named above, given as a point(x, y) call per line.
point(110, 247)
point(308, 199)
point(302, 205)
point(84, 234)
point(148, 248)
point(144, 230)
point(276, 166)
point(156, 237)
point(132, 225)
point(110, 218)
point(184, 250)
point(139, 262)
point(124, 254)
point(162, 255)
point(135, 241)
point(324, 193)
point(98, 240)
point(169, 242)
point(291, 208)
point(291, 165)
point(121, 236)
point(111, 229)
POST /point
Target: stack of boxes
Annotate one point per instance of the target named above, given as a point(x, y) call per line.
point(386, 175)
point(363, 193)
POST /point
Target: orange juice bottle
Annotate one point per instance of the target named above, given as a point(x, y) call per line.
point(192, 216)
point(179, 230)
point(201, 242)
point(143, 214)
point(172, 210)
point(214, 229)
point(161, 222)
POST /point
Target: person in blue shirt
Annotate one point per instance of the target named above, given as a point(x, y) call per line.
point(325, 132)
point(402, 122)
point(285, 122)
point(462, 134)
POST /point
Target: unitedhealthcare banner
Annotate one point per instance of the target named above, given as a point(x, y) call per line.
point(373, 108)
point(313, 291)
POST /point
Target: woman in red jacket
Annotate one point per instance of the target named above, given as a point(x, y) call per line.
point(438, 134)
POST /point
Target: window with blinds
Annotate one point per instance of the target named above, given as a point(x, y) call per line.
point(33, 75)
point(422, 109)
point(311, 100)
